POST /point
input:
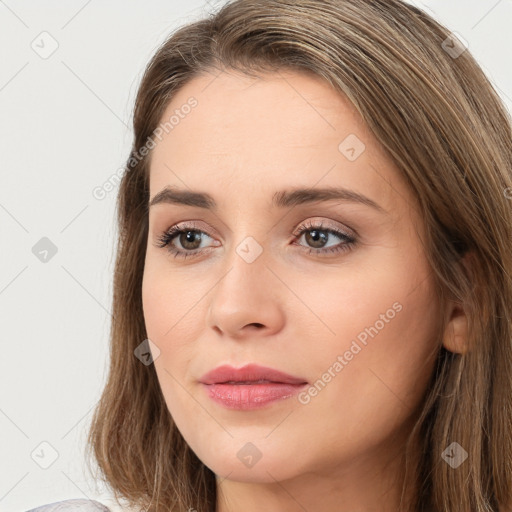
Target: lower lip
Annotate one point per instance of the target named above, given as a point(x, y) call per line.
point(251, 396)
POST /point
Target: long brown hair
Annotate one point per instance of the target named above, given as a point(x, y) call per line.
point(449, 134)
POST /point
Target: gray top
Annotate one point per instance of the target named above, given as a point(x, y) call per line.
point(78, 505)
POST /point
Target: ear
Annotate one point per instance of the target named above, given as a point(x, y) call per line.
point(455, 338)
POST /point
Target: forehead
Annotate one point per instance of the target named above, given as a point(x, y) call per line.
point(239, 114)
point(256, 135)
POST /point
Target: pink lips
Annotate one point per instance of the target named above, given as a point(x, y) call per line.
point(249, 387)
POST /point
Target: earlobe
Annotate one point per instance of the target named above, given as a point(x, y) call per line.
point(455, 337)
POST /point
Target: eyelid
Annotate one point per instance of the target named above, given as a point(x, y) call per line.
point(192, 225)
point(326, 224)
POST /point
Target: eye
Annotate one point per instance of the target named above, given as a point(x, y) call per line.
point(317, 234)
point(190, 238)
point(187, 235)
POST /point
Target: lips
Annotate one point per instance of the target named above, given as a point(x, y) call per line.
point(250, 387)
point(249, 375)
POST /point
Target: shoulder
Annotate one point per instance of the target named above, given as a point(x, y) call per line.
point(79, 505)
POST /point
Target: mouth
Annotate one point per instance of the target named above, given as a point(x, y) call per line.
point(250, 387)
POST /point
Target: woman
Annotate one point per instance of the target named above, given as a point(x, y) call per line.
point(312, 292)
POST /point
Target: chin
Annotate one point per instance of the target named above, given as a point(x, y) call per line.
point(257, 462)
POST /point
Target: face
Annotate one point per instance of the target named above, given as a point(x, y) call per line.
point(335, 290)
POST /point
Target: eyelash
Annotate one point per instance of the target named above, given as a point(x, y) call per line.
point(165, 239)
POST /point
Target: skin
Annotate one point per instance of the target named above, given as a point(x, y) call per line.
point(246, 139)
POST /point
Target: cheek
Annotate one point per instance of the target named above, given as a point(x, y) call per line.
point(170, 304)
point(162, 313)
point(372, 371)
point(171, 323)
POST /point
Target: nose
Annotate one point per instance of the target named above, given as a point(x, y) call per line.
point(247, 300)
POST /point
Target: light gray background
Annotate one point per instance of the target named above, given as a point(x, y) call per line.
point(65, 130)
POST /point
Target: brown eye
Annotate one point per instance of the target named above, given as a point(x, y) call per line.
point(188, 238)
point(317, 236)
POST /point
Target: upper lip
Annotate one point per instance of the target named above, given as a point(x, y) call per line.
point(248, 373)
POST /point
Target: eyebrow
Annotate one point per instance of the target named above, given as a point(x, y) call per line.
point(281, 199)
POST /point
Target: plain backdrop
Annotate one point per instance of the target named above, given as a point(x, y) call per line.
point(68, 76)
